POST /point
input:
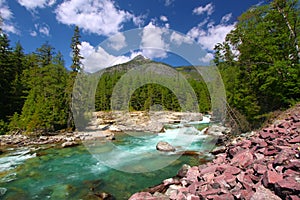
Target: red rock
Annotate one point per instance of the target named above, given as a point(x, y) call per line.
point(260, 169)
point(192, 197)
point(234, 150)
point(245, 180)
point(259, 142)
point(284, 125)
point(287, 184)
point(271, 177)
point(209, 169)
point(230, 179)
point(246, 194)
point(232, 170)
point(283, 156)
point(291, 173)
point(221, 158)
point(141, 196)
point(295, 140)
point(221, 168)
point(259, 156)
point(293, 164)
point(270, 152)
point(243, 159)
point(295, 118)
point(221, 197)
point(254, 178)
point(279, 169)
point(194, 187)
point(246, 144)
point(294, 197)
point(192, 174)
point(209, 192)
point(263, 193)
point(208, 177)
point(237, 188)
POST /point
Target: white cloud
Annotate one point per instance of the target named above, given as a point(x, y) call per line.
point(44, 29)
point(163, 18)
point(226, 18)
point(152, 44)
point(209, 9)
point(7, 16)
point(97, 58)
point(95, 16)
point(207, 58)
point(178, 39)
point(138, 20)
point(33, 33)
point(210, 37)
point(117, 41)
point(33, 4)
point(168, 2)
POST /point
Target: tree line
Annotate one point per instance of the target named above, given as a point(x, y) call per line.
point(258, 61)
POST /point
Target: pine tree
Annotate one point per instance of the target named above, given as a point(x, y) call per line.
point(76, 57)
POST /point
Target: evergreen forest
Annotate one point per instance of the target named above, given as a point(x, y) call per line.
point(259, 62)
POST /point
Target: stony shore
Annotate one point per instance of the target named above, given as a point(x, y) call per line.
point(103, 126)
point(263, 165)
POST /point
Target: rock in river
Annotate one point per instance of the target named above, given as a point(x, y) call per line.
point(164, 146)
point(69, 144)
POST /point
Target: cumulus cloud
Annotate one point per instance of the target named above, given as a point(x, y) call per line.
point(207, 58)
point(226, 18)
point(96, 58)
point(152, 43)
point(209, 9)
point(33, 4)
point(117, 41)
point(178, 39)
point(7, 17)
point(95, 16)
point(163, 18)
point(210, 37)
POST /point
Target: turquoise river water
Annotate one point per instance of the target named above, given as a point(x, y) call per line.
point(51, 172)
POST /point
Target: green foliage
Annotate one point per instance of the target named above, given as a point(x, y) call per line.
point(264, 71)
point(144, 97)
point(3, 127)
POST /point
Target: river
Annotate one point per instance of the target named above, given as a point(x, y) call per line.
point(51, 172)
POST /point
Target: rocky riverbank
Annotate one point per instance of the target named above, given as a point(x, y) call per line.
point(65, 139)
point(104, 125)
point(261, 165)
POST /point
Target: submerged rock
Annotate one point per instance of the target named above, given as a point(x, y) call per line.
point(164, 146)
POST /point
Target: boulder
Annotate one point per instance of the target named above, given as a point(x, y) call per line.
point(183, 170)
point(271, 177)
point(165, 146)
point(69, 144)
point(242, 159)
point(217, 150)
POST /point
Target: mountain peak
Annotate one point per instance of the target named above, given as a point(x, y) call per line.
point(139, 58)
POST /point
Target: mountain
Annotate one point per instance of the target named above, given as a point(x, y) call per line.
point(146, 95)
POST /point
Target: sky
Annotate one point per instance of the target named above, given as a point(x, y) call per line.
point(110, 29)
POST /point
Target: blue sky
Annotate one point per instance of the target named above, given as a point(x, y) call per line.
point(206, 22)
